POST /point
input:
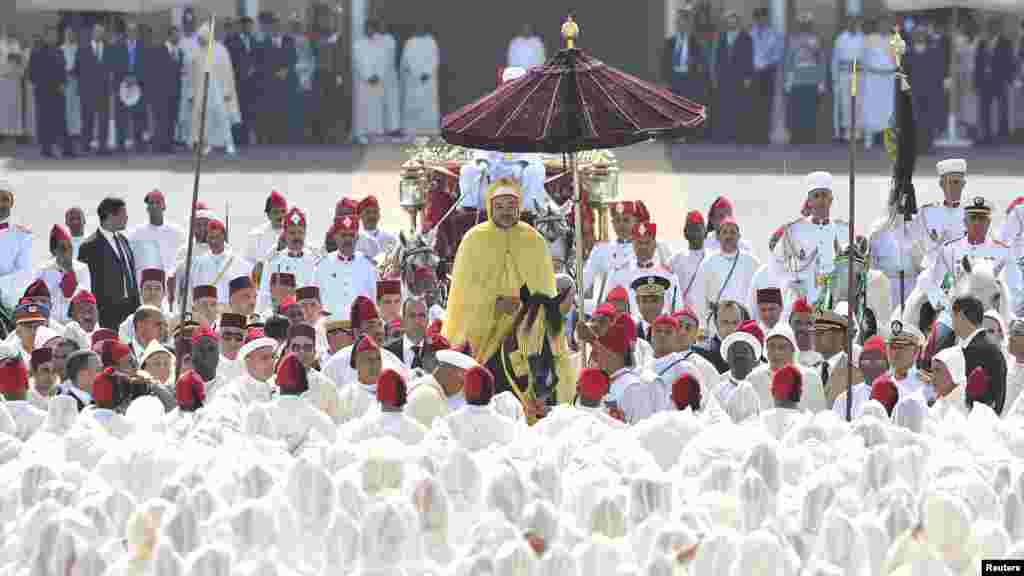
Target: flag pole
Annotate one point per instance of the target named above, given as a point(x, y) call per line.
point(200, 145)
point(851, 295)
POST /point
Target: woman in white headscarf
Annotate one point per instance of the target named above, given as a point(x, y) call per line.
point(157, 361)
point(949, 378)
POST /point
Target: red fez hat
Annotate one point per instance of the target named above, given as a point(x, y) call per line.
point(365, 344)
point(102, 334)
point(721, 203)
point(254, 333)
point(276, 200)
point(347, 224)
point(977, 384)
point(435, 326)
point(215, 223)
point(154, 275)
point(345, 207)
point(295, 217)
point(478, 386)
point(204, 332)
point(642, 214)
point(232, 320)
point(391, 390)
point(84, 297)
point(307, 293)
point(368, 202)
point(694, 217)
point(645, 230)
point(606, 310)
point(686, 392)
point(103, 388)
point(876, 343)
point(728, 221)
point(801, 306)
point(302, 329)
point(59, 232)
point(620, 334)
point(423, 273)
point(154, 196)
point(37, 289)
point(618, 294)
point(884, 390)
point(666, 320)
point(111, 351)
point(363, 310)
point(285, 304)
point(751, 327)
point(190, 391)
point(68, 283)
point(626, 207)
point(41, 356)
point(787, 384)
point(291, 375)
point(1016, 202)
point(592, 385)
point(204, 291)
point(240, 283)
point(388, 286)
point(687, 312)
point(286, 279)
point(13, 375)
point(769, 296)
point(436, 342)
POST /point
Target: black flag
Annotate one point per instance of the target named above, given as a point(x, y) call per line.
point(901, 140)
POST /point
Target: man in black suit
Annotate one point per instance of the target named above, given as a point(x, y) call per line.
point(111, 264)
point(47, 73)
point(683, 66)
point(275, 56)
point(409, 348)
point(968, 312)
point(129, 66)
point(163, 88)
point(733, 80)
point(95, 85)
point(993, 74)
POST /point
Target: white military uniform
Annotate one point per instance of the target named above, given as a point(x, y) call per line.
point(15, 260)
point(373, 243)
point(626, 276)
point(605, 260)
point(303, 266)
point(342, 280)
point(937, 223)
point(219, 270)
point(892, 250)
point(948, 268)
point(262, 243)
point(52, 275)
point(488, 166)
point(155, 246)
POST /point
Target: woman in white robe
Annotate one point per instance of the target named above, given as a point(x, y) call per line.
point(420, 109)
point(368, 99)
point(72, 99)
point(13, 63)
point(222, 103)
point(879, 86)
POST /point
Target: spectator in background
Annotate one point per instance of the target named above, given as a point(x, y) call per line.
point(683, 61)
point(1018, 83)
point(96, 83)
point(420, 62)
point(72, 100)
point(925, 62)
point(300, 81)
point(733, 79)
point(392, 86)
point(767, 45)
point(526, 50)
point(879, 83)
point(849, 47)
point(993, 74)
point(48, 75)
point(806, 71)
point(966, 47)
point(163, 85)
point(369, 98)
point(12, 68)
point(276, 56)
point(128, 58)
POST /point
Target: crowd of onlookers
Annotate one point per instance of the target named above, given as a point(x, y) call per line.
point(74, 87)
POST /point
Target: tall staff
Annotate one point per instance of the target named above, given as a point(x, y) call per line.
point(200, 144)
point(851, 268)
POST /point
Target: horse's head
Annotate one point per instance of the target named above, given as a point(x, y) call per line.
point(981, 279)
point(553, 225)
point(417, 261)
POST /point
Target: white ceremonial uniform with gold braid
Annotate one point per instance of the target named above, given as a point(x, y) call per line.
point(15, 259)
point(341, 280)
point(302, 265)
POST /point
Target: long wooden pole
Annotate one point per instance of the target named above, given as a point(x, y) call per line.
point(200, 145)
point(851, 295)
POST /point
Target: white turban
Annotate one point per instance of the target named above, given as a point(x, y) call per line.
point(782, 330)
point(255, 345)
point(426, 404)
point(739, 336)
point(951, 166)
point(456, 359)
point(818, 181)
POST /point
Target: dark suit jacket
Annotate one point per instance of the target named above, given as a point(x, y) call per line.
point(270, 60)
point(993, 70)
point(46, 69)
point(95, 78)
point(106, 270)
point(736, 64)
point(696, 62)
point(397, 347)
point(125, 66)
point(162, 74)
point(981, 352)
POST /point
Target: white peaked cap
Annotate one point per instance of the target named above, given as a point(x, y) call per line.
point(951, 166)
point(512, 73)
point(818, 181)
point(456, 359)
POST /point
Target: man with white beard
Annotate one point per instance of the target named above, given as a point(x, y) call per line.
point(476, 426)
point(255, 385)
point(420, 108)
point(390, 421)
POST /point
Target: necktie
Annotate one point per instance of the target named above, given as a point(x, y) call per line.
point(417, 362)
point(126, 265)
point(824, 373)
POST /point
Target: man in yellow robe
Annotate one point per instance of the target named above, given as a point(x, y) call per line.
point(495, 260)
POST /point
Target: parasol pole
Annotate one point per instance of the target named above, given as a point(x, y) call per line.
point(851, 295)
point(200, 144)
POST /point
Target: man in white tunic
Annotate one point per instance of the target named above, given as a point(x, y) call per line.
point(780, 350)
point(420, 107)
point(256, 384)
point(391, 420)
point(526, 50)
point(686, 263)
point(265, 239)
point(849, 47)
point(937, 223)
point(392, 86)
point(222, 103)
point(369, 93)
point(477, 426)
point(608, 257)
point(728, 274)
point(15, 249)
point(879, 85)
point(375, 240)
point(221, 264)
point(296, 259)
point(64, 277)
point(156, 243)
point(14, 390)
point(346, 274)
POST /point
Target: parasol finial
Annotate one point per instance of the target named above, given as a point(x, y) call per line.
point(570, 31)
point(897, 47)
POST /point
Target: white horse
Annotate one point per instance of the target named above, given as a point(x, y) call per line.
point(981, 278)
point(553, 224)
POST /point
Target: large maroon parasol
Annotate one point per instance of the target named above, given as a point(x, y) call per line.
point(573, 103)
